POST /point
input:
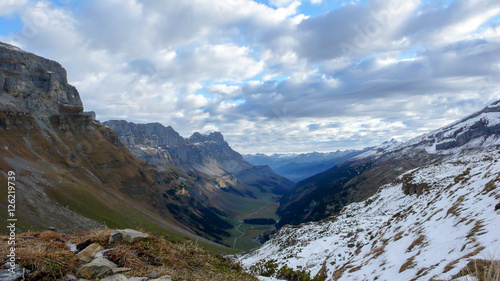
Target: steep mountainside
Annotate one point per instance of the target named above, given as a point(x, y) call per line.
point(426, 225)
point(327, 193)
point(297, 167)
point(73, 173)
point(209, 155)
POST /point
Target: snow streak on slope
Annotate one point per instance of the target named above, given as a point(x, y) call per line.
point(427, 224)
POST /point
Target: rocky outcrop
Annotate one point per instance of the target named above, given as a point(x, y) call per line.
point(32, 84)
point(96, 269)
point(127, 235)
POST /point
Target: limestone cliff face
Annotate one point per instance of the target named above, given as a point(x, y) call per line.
point(209, 154)
point(74, 173)
point(32, 84)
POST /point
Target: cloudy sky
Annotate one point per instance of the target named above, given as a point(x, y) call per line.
point(272, 75)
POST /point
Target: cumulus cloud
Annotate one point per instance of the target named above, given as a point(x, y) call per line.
point(7, 7)
point(269, 78)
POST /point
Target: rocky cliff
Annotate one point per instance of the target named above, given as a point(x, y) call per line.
point(73, 173)
point(209, 154)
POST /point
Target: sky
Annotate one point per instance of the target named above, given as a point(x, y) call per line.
point(274, 76)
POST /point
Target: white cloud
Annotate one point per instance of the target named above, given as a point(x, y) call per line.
point(7, 7)
point(270, 79)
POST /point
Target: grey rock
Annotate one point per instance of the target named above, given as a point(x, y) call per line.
point(127, 235)
point(138, 279)
point(34, 84)
point(153, 274)
point(6, 275)
point(117, 277)
point(121, 269)
point(72, 247)
point(199, 151)
point(87, 254)
point(98, 268)
point(91, 114)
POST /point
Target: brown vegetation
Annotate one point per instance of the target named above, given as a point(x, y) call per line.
point(48, 257)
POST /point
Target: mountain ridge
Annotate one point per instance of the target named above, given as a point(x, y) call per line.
point(297, 167)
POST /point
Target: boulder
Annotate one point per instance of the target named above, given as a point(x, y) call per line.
point(98, 268)
point(121, 269)
point(117, 277)
point(7, 275)
point(87, 254)
point(127, 235)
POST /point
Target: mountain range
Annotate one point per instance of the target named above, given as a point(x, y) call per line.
point(419, 210)
point(297, 167)
point(213, 173)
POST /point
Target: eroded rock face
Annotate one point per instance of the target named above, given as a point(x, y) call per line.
point(156, 144)
point(33, 84)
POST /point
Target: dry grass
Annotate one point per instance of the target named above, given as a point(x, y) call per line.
point(44, 254)
point(417, 242)
point(399, 235)
point(48, 258)
point(455, 207)
point(408, 264)
point(484, 270)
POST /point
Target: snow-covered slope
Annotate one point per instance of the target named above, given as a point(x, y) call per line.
point(427, 224)
point(327, 193)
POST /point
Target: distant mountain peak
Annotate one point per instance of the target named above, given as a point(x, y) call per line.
point(209, 136)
